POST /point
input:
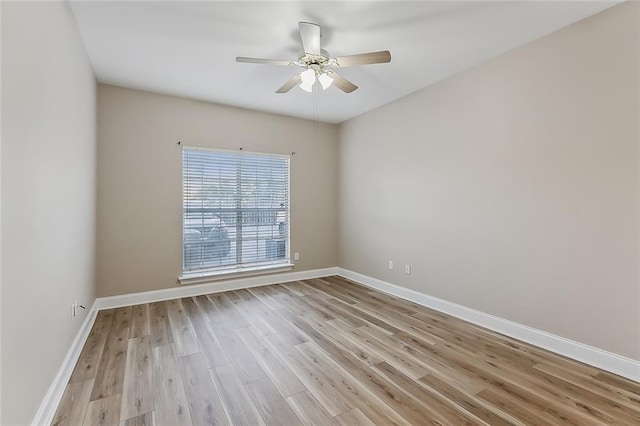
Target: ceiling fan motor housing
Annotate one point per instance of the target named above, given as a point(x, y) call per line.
point(309, 59)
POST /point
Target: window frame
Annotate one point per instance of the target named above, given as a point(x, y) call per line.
point(236, 270)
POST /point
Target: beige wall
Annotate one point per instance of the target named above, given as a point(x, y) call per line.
point(48, 197)
point(511, 188)
point(140, 181)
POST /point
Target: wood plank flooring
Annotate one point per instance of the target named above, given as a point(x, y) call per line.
point(325, 352)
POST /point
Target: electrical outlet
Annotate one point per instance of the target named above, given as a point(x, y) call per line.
point(296, 256)
point(75, 306)
point(407, 269)
point(391, 264)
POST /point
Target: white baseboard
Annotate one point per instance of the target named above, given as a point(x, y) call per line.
point(599, 358)
point(212, 287)
point(52, 398)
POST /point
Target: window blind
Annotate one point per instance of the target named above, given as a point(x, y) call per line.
point(235, 210)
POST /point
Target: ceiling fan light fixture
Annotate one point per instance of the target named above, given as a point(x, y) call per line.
point(325, 80)
point(308, 78)
point(307, 87)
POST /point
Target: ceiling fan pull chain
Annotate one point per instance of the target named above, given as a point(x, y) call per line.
point(315, 108)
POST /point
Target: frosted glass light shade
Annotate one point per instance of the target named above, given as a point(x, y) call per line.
point(325, 80)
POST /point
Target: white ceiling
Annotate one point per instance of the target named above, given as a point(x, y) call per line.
point(189, 48)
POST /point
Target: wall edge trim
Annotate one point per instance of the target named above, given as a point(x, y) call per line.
point(51, 400)
point(216, 286)
point(604, 360)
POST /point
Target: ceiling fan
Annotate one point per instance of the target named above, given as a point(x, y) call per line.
point(317, 63)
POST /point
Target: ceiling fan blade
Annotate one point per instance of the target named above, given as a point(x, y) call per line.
point(264, 61)
point(364, 59)
point(310, 35)
point(342, 83)
point(290, 84)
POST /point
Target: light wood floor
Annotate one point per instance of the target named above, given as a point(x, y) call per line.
point(322, 352)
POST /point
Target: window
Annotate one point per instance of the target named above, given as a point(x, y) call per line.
point(235, 211)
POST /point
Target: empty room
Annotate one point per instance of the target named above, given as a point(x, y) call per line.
point(320, 213)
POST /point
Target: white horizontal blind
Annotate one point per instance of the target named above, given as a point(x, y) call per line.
point(235, 210)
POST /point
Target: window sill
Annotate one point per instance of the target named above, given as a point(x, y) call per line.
point(208, 276)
